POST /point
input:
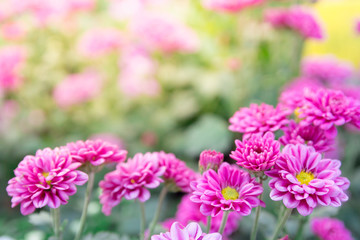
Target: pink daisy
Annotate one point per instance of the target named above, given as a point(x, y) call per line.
point(303, 180)
point(191, 231)
point(48, 178)
point(210, 159)
point(131, 180)
point(330, 229)
point(229, 189)
point(229, 6)
point(258, 153)
point(258, 119)
point(96, 152)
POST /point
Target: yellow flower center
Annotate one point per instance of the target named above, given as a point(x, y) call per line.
point(230, 193)
point(297, 113)
point(132, 181)
point(305, 177)
point(46, 174)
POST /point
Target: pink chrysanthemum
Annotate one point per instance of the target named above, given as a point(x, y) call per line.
point(191, 231)
point(131, 180)
point(321, 140)
point(328, 108)
point(328, 70)
point(258, 119)
point(11, 59)
point(229, 189)
point(210, 159)
point(303, 180)
point(229, 6)
point(258, 153)
point(48, 178)
point(330, 229)
point(189, 211)
point(298, 19)
point(95, 152)
point(177, 175)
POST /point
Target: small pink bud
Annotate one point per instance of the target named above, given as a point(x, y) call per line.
point(210, 159)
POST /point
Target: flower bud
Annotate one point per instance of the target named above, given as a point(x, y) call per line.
point(210, 159)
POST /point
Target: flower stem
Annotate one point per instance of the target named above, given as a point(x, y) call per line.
point(158, 210)
point(300, 230)
point(208, 225)
point(143, 220)
point(223, 221)
point(281, 223)
point(257, 215)
point(56, 222)
point(88, 193)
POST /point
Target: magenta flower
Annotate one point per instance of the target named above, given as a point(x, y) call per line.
point(191, 232)
point(258, 119)
point(131, 180)
point(321, 140)
point(258, 153)
point(328, 108)
point(299, 19)
point(330, 229)
point(96, 152)
point(177, 175)
point(229, 6)
point(11, 60)
point(357, 26)
point(229, 189)
point(303, 180)
point(48, 178)
point(210, 159)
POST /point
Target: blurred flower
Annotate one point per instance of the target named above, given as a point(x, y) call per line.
point(299, 19)
point(285, 238)
point(131, 180)
point(210, 159)
point(95, 152)
point(229, 6)
point(191, 231)
point(229, 189)
point(321, 140)
point(149, 138)
point(258, 153)
point(100, 41)
point(165, 34)
point(8, 111)
point(77, 88)
point(12, 31)
point(303, 180)
point(258, 119)
point(357, 26)
point(110, 138)
point(330, 229)
point(11, 59)
point(328, 70)
point(177, 175)
point(137, 75)
point(48, 178)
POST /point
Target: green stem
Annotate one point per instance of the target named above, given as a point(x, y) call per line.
point(158, 210)
point(300, 230)
point(88, 193)
point(208, 226)
point(281, 223)
point(56, 222)
point(257, 215)
point(143, 220)
point(223, 221)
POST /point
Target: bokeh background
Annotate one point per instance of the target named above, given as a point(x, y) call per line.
point(151, 75)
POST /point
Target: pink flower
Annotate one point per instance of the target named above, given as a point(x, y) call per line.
point(303, 180)
point(330, 229)
point(77, 88)
point(328, 108)
point(177, 175)
point(258, 119)
point(229, 189)
point(165, 34)
point(12, 31)
point(131, 180)
point(188, 211)
point(48, 178)
point(191, 231)
point(96, 152)
point(299, 19)
point(321, 140)
point(100, 41)
point(258, 153)
point(357, 26)
point(210, 159)
point(328, 70)
point(229, 6)
point(11, 59)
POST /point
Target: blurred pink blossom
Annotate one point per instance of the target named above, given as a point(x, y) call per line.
point(229, 6)
point(77, 88)
point(357, 26)
point(12, 31)
point(11, 59)
point(330, 229)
